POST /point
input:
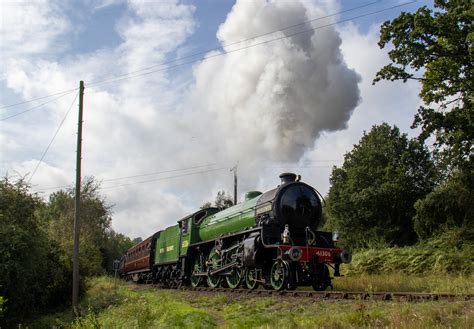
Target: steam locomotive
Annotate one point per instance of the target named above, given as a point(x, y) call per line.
point(270, 239)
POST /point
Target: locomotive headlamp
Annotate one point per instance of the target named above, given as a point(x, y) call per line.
point(294, 254)
point(335, 237)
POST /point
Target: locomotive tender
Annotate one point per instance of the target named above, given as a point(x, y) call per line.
point(268, 239)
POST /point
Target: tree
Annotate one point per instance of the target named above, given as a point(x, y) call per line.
point(114, 247)
point(137, 240)
point(222, 201)
point(372, 195)
point(450, 205)
point(95, 225)
point(439, 44)
point(32, 276)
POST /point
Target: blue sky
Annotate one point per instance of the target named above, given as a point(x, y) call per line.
point(296, 104)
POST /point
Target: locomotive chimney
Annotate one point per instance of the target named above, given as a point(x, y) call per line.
point(287, 178)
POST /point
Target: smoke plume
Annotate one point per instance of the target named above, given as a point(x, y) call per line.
point(272, 101)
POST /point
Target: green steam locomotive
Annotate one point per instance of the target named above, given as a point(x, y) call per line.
point(270, 239)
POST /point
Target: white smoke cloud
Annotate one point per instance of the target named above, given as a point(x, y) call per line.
point(272, 101)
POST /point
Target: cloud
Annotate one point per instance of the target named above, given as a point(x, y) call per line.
point(31, 27)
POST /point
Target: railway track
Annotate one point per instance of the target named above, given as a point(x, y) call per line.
point(339, 295)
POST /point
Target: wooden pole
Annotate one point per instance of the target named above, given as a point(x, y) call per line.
point(77, 206)
point(234, 169)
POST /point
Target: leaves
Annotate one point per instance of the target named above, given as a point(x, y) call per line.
point(450, 205)
point(36, 242)
point(371, 197)
point(438, 44)
point(222, 201)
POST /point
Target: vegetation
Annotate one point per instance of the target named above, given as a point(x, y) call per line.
point(30, 265)
point(222, 201)
point(438, 43)
point(414, 260)
point(372, 195)
point(36, 247)
point(450, 205)
point(444, 263)
point(449, 283)
point(135, 306)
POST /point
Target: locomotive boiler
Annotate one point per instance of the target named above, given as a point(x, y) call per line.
point(270, 239)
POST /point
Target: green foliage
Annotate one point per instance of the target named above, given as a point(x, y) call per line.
point(440, 44)
point(222, 201)
point(58, 215)
point(450, 205)
point(2, 307)
point(371, 197)
point(36, 242)
point(113, 248)
point(31, 273)
point(447, 253)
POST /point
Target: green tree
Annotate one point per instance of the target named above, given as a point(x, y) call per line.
point(372, 195)
point(137, 240)
point(95, 226)
point(113, 248)
point(222, 201)
point(450, 205)
point(435, 47)
point(32, 277)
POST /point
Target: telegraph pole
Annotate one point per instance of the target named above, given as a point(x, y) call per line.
point(77, 206)
point(234, 169)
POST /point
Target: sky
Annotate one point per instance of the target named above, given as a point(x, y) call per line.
point(179, 92)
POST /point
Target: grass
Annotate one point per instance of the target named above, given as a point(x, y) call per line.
point(400, 282)
point(130, 306)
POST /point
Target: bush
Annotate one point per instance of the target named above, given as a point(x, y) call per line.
point(447, 253)
point(449, 205)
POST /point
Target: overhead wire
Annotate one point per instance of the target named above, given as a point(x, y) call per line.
point(35, 107)
point(133, 176)
point(39, 98)
point(52, 139)
point(131, 75)
point(164, 178)
point(224, 44)
point(184, 169)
